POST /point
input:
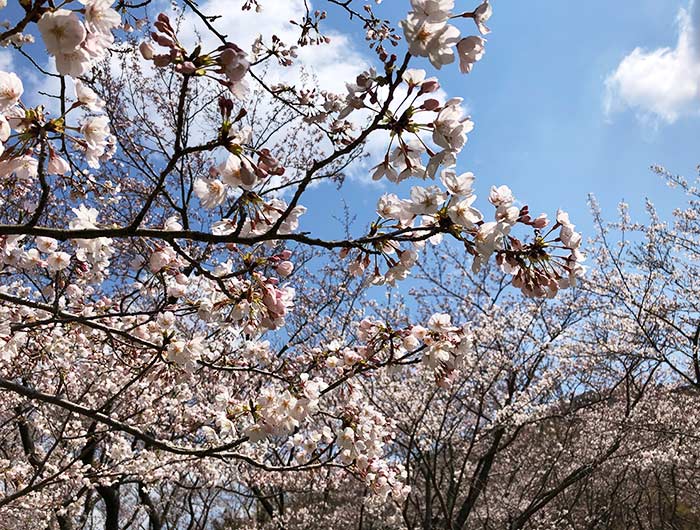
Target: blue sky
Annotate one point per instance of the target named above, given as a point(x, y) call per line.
point(538, 100)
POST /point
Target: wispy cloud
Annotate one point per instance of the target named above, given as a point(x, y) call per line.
point(6, 62)
point(661, 84)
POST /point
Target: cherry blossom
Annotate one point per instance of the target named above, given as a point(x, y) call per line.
point(99, 15)
point(62, 31)
point(450, 128)
point(481, 15)
point(11, 90)
point(470, 50)
point(86, 96)
point(432, 10)
point(431, 40)
point(211, 193)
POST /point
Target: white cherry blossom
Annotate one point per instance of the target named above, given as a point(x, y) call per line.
point(62, 31)
point(470, 50)
point(463, 213)
point(11, 90)
point(432, 40)
point(460, 185)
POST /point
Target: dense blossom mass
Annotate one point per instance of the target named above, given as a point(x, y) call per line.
point(184, 345)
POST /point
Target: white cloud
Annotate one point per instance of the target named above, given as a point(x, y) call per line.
point(6, 61)
point(661, 84)
point(331, 64)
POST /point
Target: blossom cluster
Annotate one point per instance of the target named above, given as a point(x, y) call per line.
point(34, 144)
point(239, 172)
point(429, 34)
point(89, 260)
point(549, 262)
point(222, 297)
point(228, 60)
point(278, 412)
point(362, 444)
point(76, 44)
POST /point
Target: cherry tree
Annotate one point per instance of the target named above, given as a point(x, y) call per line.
point(578, 413)
point(176, 346)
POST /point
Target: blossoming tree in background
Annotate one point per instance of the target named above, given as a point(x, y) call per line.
point(578, 412)
point(169, 336)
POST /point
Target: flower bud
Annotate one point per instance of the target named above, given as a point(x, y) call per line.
point(165, 28)
point(541, 221)
point(57, 165)
point(146, 50)
point(285, 268)
point(430, 104)
point(225, 106)
point(162, 17)
point(187, 67)
point(161, 60)
point(163, 40)
point(429, 86)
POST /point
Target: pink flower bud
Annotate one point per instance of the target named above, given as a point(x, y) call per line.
point(146, 50)
point(165, 28)
point(187, 67)
point(163, 23)
point(429, 86)
point(269, 297)
point(260, 171)
point(541, 221)
point(57, 165)
point(430, 104)
point(225, 106)
point(163, 40)
point(285, 268)
point(161, 60)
